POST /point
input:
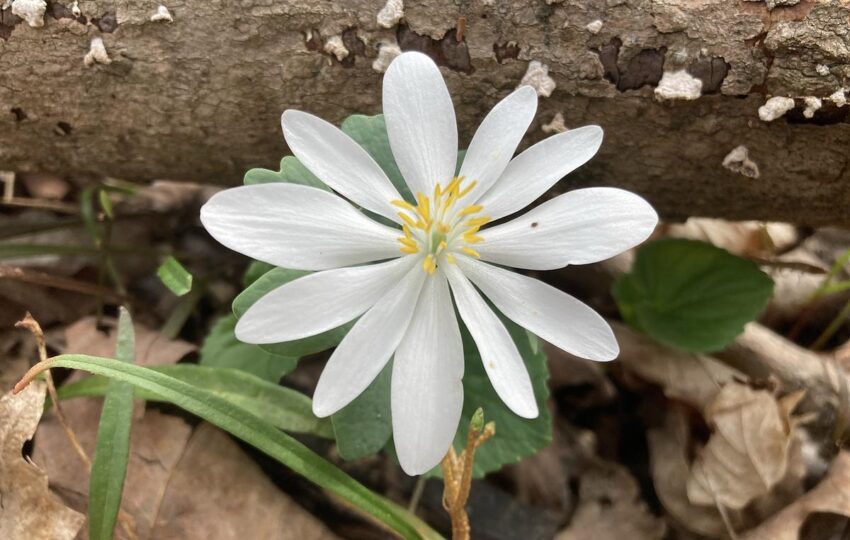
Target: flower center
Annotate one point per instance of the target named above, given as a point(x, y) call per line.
point(439, 227)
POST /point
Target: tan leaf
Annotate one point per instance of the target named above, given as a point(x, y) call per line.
point(747, 453)
point(746, 238)
point(695, 379)
point(610, 507)
point(668, 448)
point(830, 495)
point(180, 484)
point(152, 348)
point(27, 507)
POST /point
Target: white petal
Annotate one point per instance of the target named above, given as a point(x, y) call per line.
point(339, 162)
point(318, 302)
point(580, 227)
point(426, 389)
point(496, 139)
point(420, 122)
point(367, 347)
point(551, 314)
point(502, 361)
point(295, 226)
point(532, 173)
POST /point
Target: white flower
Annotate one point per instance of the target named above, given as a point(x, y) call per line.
point(437, 251)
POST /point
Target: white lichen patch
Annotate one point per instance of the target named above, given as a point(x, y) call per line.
point(387, 51)
point(556, 125)
point(594, 27)
point(31, 11)
point(822, 69)
point(75, 9)
point(391, 13)
point(678, 85)
point(537, 77)
point(738, 161)
point(162, 14)
point(838, 98)
point(336, 47)
point(97, 53)
point(812, 105)
point(775, 107)
point(771, 4)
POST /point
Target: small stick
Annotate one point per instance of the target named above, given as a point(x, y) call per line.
point(461, 29)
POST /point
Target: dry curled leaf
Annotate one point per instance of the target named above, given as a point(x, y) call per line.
point(745, 238)
point(830, 495)
point(747, 453)
point(28, 509)
point(668, 449)
point(695, 379)
point(610, 507)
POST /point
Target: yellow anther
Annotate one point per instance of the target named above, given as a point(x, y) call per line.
point(424, 207)
point(472, 239)
point(453, 184)
point(477, 222)
point(442, 245)
point(428, 264)
point(472, 230)
point(406, 230)
point(410, 249)
point(468, 188)
point(403, 204)
point(410, 242)
point(471, 209)
point(450, 259)
point(470, 251)
point(437, 192)
point(407, 219)
point(442, 228)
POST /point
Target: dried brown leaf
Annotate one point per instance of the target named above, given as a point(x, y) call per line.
point(28, 510)
point(747, 453)
point(692, 378)
point(668, 447)
point(152, 348)
point(745, 238)
point(830, 495)
point(610, 507)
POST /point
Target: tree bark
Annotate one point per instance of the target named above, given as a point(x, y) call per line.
point(199, 98)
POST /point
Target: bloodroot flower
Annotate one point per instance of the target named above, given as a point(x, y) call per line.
point(404, 282)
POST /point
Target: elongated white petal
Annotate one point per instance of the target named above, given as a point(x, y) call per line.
point(502, 361)
point(319, 302)
point(496, 139)
point(580, 227)
point(426, 390)
point(339, 162)
point(420, 122)
point(533, 172)
point(549, 313)
point(297, 227)
point(368, 346)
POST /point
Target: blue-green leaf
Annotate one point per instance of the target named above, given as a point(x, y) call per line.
point(222, 349)
point(691, 294)
point(112, 449)
point(291, 171)
point(364, 426)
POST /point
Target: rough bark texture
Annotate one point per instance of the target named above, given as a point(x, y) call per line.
point(199, 98)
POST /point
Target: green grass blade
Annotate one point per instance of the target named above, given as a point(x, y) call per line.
point(258, 433)
point(112, 450)
point(282, 407)
point(174, 276)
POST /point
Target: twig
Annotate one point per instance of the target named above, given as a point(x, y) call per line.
point(457, 474)
point(418, 489)
point(29, 323)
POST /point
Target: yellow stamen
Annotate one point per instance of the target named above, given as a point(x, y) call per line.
point(453, 184)
point(406, 230)
point(409, 249)
point(450, 259)
point(470, 251)
point(468, 188)
point(407, 219)
point(442, 245)
point(437, 192)
point(424, 208)
point(428, 264)
point(410, 242)
point(471, 209)
point(403, 204)
point(471, 230)
point(442, 228)
point(477, 222)
point(472, 239)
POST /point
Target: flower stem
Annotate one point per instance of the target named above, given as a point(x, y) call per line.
point(457, 474)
